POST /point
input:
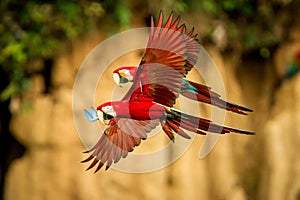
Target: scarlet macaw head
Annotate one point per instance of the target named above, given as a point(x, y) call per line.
point(106, 112)
point(124, 74)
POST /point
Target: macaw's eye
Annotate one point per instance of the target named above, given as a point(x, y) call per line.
point(107, 116)
point(123, 79)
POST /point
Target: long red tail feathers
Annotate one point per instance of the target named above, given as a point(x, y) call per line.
point(177, 121)
point(216, 101)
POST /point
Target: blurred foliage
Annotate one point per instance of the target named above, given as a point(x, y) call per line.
point(250, 24)
point(34, 29)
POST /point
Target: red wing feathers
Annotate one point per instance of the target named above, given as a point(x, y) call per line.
point(119, 138)
point(169, 56)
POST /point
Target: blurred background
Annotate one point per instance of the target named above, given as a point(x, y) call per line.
point(256, 46)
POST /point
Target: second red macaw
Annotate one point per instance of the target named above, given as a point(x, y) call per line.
point(189, 89)
point(169, 56)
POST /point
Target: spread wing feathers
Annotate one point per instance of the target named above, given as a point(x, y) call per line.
point(169, 56)
point(119, 138)
point(171, 45)
point(177, 121)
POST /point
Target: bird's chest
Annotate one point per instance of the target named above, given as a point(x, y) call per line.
point(145, 111)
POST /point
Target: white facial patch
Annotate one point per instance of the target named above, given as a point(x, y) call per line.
point(126, 74)
point(109, 110)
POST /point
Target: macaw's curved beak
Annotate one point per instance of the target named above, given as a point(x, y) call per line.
point(104, 117)
point(120, 78)
point(100, 116)
point(117, 79)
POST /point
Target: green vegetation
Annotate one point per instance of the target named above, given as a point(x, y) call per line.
point(251, 24)
point(34, 29)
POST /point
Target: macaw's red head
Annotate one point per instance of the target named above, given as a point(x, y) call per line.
point(124, 74)
point(106, 112)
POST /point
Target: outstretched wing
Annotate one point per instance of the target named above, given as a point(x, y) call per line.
point(119, 138)
point(169, 56)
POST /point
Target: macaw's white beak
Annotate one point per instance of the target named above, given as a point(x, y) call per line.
point(100, 116)
point(117, 80)
point(106, 115)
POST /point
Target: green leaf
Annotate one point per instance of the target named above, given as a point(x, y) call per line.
point(9, 91)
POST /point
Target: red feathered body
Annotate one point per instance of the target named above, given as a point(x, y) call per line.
point(138, 110)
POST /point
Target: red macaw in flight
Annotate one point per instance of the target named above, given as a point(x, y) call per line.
point(189, 89)
point(169, 56)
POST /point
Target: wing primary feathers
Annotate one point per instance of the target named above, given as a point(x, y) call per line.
point(150, 40)
point(175, 23)
point(181, 28)
point(168, 46)
point(160, 20)
point(95, 161)
point(165, 29)
point(177, 129)
point(189, 34)
point(87, 159)
point(157, 29)
point(169, 20)
point(99, 167)
point(168, 131)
